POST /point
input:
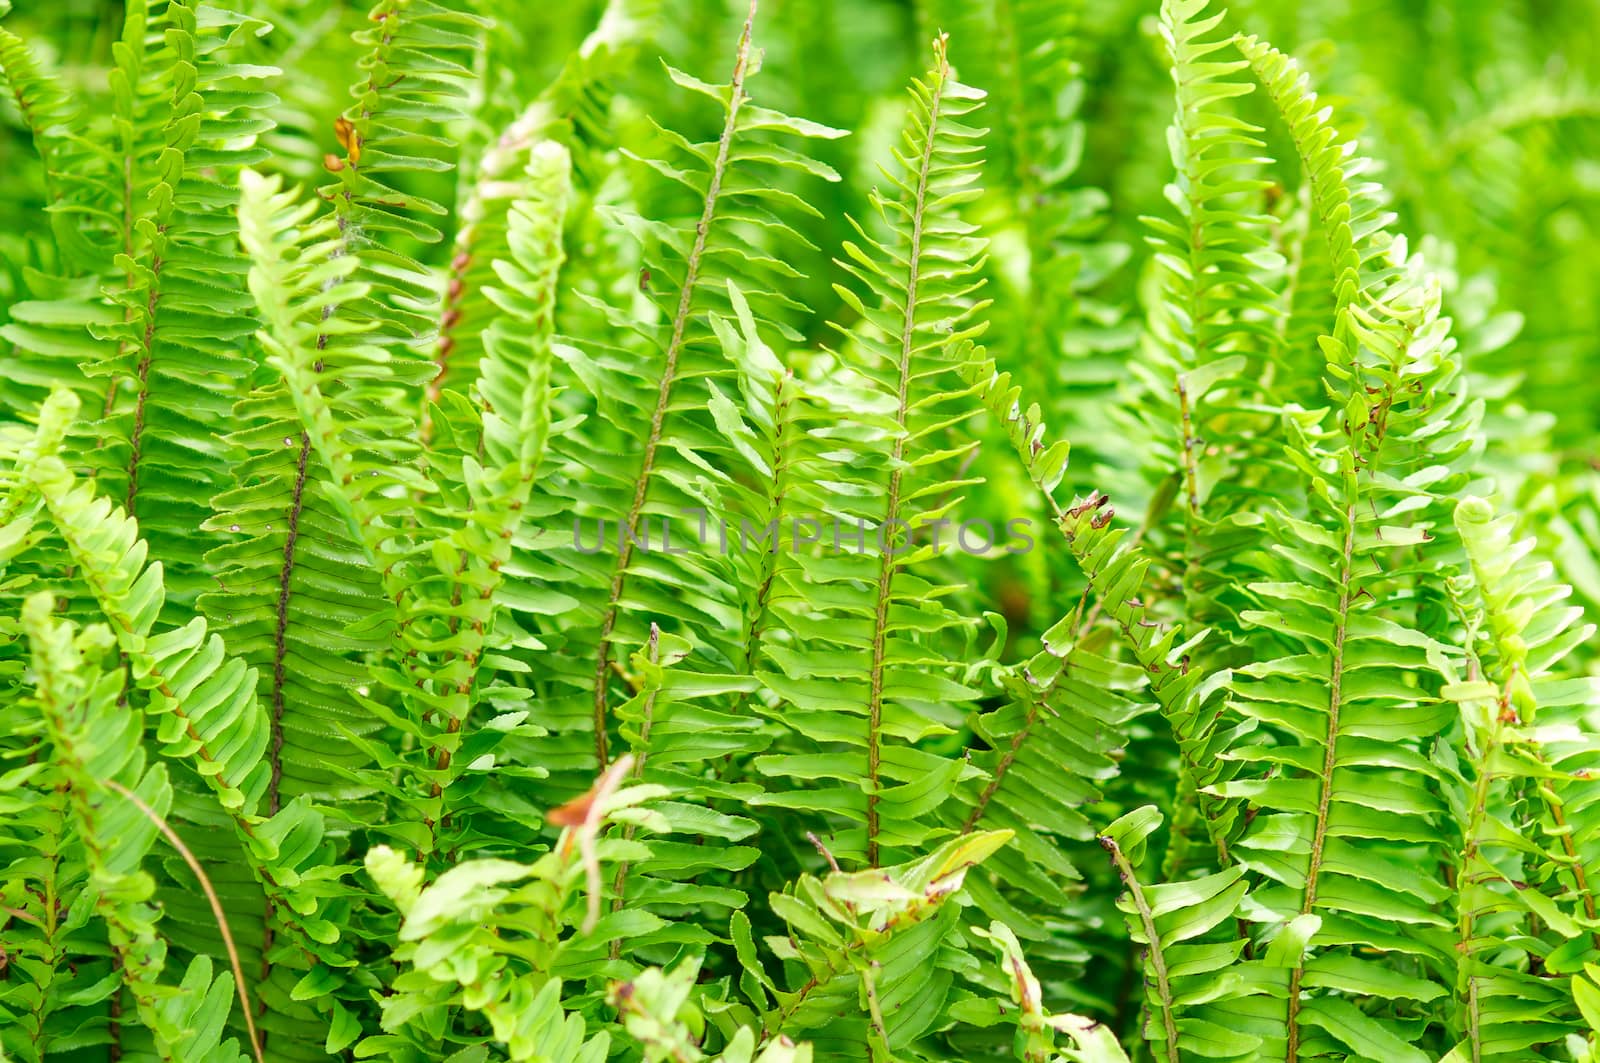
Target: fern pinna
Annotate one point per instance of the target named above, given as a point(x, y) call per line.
point(566, 559)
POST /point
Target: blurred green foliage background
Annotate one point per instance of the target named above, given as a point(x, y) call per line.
point(1484, 112)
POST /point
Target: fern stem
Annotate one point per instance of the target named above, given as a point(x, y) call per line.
point(783, 402)
point(1036, 707)
point(669, 372)
point(449, 318)
point(142, 375)
point(1158, 960)
point(886, 563)
point(1335, 703)
point(280, 629)
point(1000, 769)
point(1329, 760)
point(114, 1027)
point(279, 677)
point(1191, 479)
point(1466, 919)
point(619, 883)
point(1579, 876)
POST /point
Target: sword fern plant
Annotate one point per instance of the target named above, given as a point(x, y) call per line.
point(566, 558)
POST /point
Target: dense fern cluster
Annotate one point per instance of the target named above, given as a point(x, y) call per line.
point(577, 553)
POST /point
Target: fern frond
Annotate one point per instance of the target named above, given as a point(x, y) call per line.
point(569, 111)
point(296, 593)
point(1051, 254)
point(178, 368)
point(497, 936)
point(919, 304)
point(55, 123)
point(186, 671)
point(155, 375)
point(850, 932)
point(651, 1006)
point(675, 729)
point(66, 329)
point(1092, 1042)
point(687, 263)
point(1349, 211)
point(418, 60)
point(203, 701)
point(1202, 362)
point(448, 585)
point(513, 392)
point(1528, 838)
point(293, 586)
point(1116, 569)
point(59, 982)
point(444, 585)
point(301, 274)
point(1214, 308)
point(1340, 826)
point(1056, 736)
point(95, 746)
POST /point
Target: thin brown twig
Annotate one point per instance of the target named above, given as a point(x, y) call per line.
point(216, 908)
